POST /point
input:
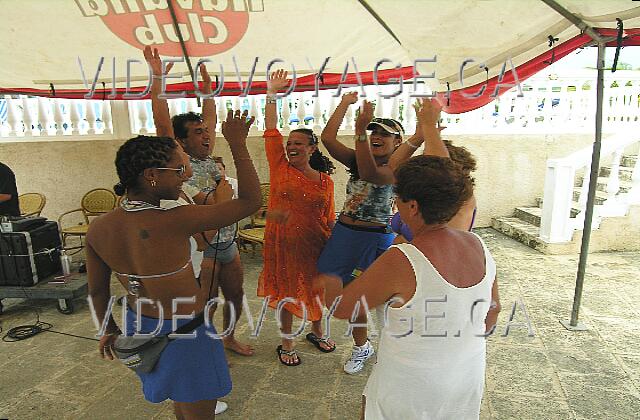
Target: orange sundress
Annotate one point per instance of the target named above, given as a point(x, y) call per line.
point(291, 250)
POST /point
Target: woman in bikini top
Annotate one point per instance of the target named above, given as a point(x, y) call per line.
point(141, 239)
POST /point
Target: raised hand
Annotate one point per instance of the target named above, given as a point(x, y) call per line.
point(428, 112)
point(236, 127)
point(277, 80)
point(350, 98)
point(155, 62)
point(206, 78)
point(224, 191)
point(364, 117)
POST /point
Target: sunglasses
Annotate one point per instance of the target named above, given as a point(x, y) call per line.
point(181, 170)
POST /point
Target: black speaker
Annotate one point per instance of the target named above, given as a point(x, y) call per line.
point(30, 256)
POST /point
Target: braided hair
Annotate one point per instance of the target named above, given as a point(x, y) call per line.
point(138, 154)
point(317, 161)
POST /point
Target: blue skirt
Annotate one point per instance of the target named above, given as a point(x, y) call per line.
point(189, 369)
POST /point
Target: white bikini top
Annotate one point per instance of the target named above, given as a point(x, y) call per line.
point(134, 279)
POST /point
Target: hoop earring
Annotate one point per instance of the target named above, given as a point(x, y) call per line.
point(152, 182)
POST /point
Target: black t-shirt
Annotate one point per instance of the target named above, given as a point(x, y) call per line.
point(8, 186)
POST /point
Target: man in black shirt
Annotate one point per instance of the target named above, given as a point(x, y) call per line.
point(8, 192)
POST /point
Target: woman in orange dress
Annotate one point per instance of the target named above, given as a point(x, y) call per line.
point(300, 217)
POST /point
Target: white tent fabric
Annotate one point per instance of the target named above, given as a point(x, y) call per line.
point(42, 40)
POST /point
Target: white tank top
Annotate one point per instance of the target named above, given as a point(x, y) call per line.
point(417, 333)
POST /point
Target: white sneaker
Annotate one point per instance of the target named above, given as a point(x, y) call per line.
point(221, 407)
point(359, 355)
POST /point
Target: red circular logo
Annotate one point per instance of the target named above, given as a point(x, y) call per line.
point(205, 32)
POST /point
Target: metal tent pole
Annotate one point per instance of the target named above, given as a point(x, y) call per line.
point(573, 324)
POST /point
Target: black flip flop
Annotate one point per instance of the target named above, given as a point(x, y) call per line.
point(315, 340)
point(282, 351)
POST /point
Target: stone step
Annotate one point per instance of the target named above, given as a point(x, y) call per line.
point(574, 206)
point(624, 174)
point(530, 215)
point(529, 235)
point(629, 161)
point(601, 197)
point(625, 186)
point(519, 230)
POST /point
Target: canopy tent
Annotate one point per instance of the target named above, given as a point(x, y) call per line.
point(467, 45)
point(44, 42)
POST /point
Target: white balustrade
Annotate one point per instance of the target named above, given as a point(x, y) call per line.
point(556, 224)
point(29, 126)
point(285, 114)
point(221, 109)
point(253, 112)
point(300, 111)
point(58, 117)
point(12, 118)
point(106, 118)
point(317, 114)
point(43, 116)
point(535, 112)
point(74, 116)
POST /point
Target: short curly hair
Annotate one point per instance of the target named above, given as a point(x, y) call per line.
point(138, 154)
point(462, 156)
point(179, 123)
point(437, 184)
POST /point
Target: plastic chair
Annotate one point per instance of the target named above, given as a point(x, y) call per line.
point(94, 203)
point(31, 204)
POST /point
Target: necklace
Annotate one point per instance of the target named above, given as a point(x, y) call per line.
point(138, 205)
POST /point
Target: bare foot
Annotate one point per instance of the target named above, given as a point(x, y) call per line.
point(230, 343)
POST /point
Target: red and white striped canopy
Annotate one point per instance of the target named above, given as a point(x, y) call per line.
point(44, 42)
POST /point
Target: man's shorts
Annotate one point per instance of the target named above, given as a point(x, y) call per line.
point(223, 252)
point(352, 249)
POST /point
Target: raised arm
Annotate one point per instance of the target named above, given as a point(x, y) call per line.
point(329, 136)
point(407, 148)
point(209, 116)
point(277, 80)
point(159, 106)
point(201, 218)
point(428, 116)
point(368, 169)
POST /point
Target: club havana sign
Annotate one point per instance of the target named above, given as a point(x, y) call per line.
point(208, 27)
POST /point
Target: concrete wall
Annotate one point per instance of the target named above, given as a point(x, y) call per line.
point(510, 168)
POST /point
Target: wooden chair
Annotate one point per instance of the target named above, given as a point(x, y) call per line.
point(94, 203)
point(259, 218)
point(31, 204)
point(253, 233)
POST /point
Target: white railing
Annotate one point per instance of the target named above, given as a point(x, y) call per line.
point(564, 105)
point(557, 223)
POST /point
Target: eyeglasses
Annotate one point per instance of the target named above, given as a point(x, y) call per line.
point(181, 170)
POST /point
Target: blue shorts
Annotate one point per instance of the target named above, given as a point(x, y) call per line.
point(223, 252)
point(189, 369)
point(352, 249)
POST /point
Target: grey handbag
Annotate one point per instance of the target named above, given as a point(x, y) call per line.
point(142, 353)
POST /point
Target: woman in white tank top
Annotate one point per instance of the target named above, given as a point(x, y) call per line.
point(442, 297)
